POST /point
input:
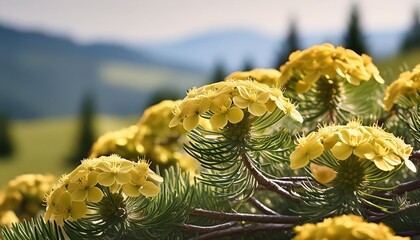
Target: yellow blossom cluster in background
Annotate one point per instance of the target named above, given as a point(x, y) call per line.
point(119, 142)
point(150, 138)
point(328, 62)
point(270, 76)
point(160, 143)
point(407, 84)
point(348, 227)
point(23, 196)
point(229, 102)
point(366, 142)
point(68, 200)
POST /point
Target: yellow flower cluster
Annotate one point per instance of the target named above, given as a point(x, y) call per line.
point(228, 101)
point(269, 76)
point(23, 197)
point(119, 142)
point(408, 83)
point(160, 143)
point(349, 227)
point(366, 142)
point(150, 138)
point(329, 62)
point(68, 200)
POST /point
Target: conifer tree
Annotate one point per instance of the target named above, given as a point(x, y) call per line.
point(86, 136)
point(412, 37)
point(353, 38)
point(6, 145)
point(248, 66)
point(218, 74)
point(289, 45)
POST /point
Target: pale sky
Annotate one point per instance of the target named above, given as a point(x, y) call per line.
point(159, 20)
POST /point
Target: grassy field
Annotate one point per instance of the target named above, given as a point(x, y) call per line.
point(42, 146)
point(392, 67)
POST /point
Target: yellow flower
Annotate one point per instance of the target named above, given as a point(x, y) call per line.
point(383, 157)
point(351, 142)
point(285, 105)
point(408, 83)
point(84, 188)
point(228, 102)
point(118, 142)
point(224, 112)
point(308, 148)
point(194, 109)
point(252, 99)
point(24, 195)
point(69, 199)
point(266, 76)
point(60, 207)
point(365, 142)
point(8, 218)
point(348, 227)
point(139, 186)
point(114, 171)
point(322, 174)
point(329, 62)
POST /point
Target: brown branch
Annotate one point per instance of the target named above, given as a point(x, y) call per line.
point(401, 189)
point(244, 229)
point(206, 229)
point(267, 183)
point(415, 157)
point(262, 218)
point(260, 206)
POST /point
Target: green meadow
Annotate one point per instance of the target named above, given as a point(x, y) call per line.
point(43, 146)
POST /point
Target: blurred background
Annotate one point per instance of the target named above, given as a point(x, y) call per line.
point(72, 70)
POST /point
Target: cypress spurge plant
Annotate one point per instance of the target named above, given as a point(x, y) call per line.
point(278, 152)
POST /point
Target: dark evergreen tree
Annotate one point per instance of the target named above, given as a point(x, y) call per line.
point(248, 66)
point(6, 144)
point(412, 37)
point(86, 135)
point(164, 94)
point(353, 38)
point(219, 73)
point(289, 45)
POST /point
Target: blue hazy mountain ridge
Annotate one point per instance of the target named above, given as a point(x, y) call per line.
point(232, 47)
point(43, 75)
point(46, 76)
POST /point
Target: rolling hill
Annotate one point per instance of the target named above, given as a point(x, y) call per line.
point(46, 76)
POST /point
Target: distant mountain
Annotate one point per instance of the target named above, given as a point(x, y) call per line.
point(41, 76)
point(234, 47)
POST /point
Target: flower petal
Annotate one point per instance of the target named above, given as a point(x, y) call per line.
point(298, 158)
point(322, 174)
point(94, 194)
point(106, 179)
point(79, 195)
point(149, 189)
point(257, 109)
point(241, 102)
point(78, 210)
point(218, 120)
point(190, 123)
point(341, 151)
point(130, 190)
point(235, 115)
